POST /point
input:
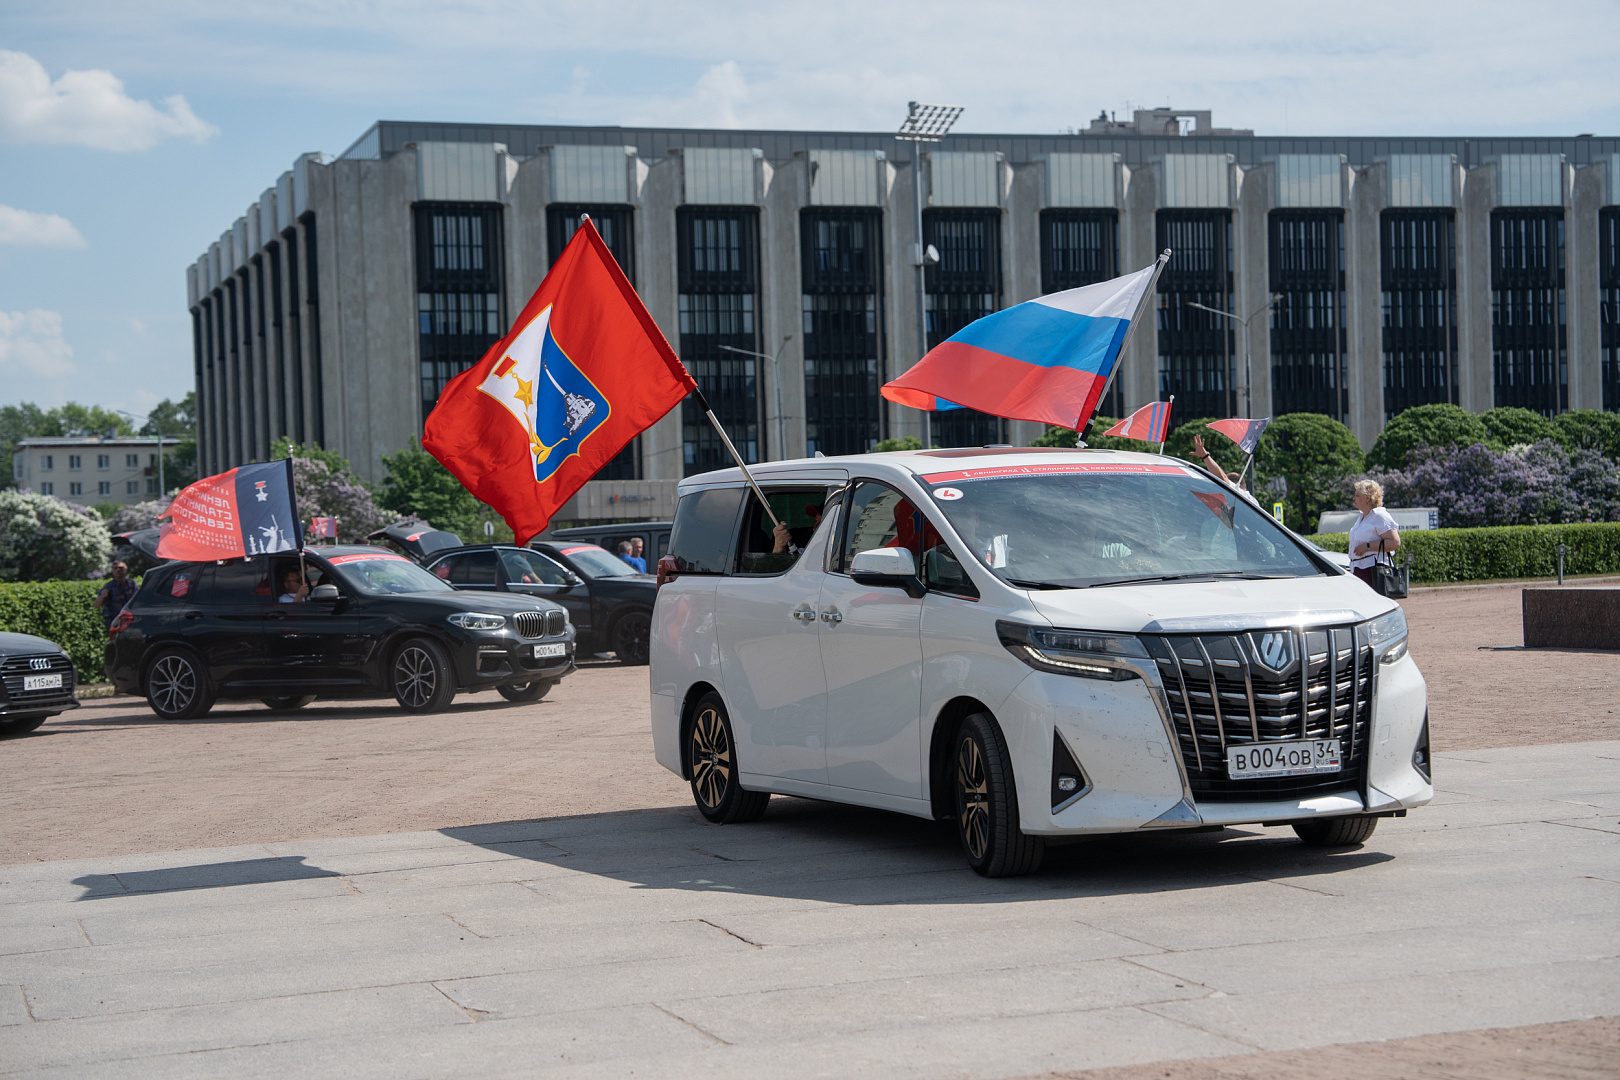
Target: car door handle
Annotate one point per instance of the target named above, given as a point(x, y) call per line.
point(831, 615)
point(806, 615)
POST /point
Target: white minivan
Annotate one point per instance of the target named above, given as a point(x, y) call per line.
point(1033, 643)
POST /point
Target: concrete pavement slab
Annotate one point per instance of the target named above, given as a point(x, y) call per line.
point(13, 1007)
point(62, 933)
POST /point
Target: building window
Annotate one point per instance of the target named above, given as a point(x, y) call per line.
point(1081, 247)
point(1196, 347)
point(717, 278)
point(1418, 278)
point(103, 461)
point(104, 487)
point(75, 488)
point(841, 258)
point(459, 275)
point(1529, 347)
point(1609, 303)
point(1308, 339)
point(963, 286)
point(132, 487)
point(74, 461)
point(617, 225)
point(47, 488)
point(151, 486)
point(132, 461)
point(50, 462)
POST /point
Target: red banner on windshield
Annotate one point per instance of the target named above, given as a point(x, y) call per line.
point(1049, 470)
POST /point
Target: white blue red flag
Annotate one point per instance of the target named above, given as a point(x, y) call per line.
point(1150, 423)
point(1047, 359)
point(1246, 433)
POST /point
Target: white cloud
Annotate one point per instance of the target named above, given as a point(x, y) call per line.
point(32, 346)
point(87, 108)
point(28, 228)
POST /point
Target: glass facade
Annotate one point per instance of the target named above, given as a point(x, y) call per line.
point(1308, 337)
point(459, 275)
point(1196, 347)
point(841, 268)
point(1529, 344)
point(1081, 247)
point(963, 286)
point(1418, 287)
point(1609, 303)
point(717, 282)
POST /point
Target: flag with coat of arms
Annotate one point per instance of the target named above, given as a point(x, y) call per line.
point(583, 371)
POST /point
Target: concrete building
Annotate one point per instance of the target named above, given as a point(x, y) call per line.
point(91, 469)
point(1373, 274)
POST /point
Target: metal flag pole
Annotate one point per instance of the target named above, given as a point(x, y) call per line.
point(703, 403)
point(1166, 432)
point(1130, 331)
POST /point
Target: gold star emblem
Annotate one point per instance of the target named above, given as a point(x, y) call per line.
point(525, 392)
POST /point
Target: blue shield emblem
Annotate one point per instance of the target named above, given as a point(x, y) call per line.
point(559, 407)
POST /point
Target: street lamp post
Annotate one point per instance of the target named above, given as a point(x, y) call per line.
point(776, 384)
point(924, 123)
point(1243, 321)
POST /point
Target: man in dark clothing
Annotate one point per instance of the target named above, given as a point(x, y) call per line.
point(116, 593)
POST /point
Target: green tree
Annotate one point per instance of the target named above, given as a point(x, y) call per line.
point(1226, 452)
point(45, 539)
point(1591, 430)
point(176, 419)
point(1317, 458)
point(418, 486)
point(1425, 425)
point(1069, 438)
point(1509, 425)
point(904, 442)
point(285, 447)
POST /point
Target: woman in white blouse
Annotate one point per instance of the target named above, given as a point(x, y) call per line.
point(1374, 533)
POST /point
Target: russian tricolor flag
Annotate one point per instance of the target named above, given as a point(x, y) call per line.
point(1047, 359)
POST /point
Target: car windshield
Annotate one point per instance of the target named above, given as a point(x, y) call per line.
point(597, 562)
point(382, 574)
point(1102, 524)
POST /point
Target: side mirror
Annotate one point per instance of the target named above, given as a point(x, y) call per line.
point(886, 568)
point(324, 594)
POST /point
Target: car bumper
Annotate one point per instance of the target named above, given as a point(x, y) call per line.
point(482, 662)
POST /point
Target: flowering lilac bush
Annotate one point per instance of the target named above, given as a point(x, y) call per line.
point(136, 516)
point(326, 492)
point(1539, 484)
point(46, 539)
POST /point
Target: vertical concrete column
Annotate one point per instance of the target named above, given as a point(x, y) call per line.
point(527, 247)
point(288, 349)
point(1364, 299)
point(662, 447)
point(1476, 374)
point(327, 314)
point(1584, 307)
point(786, 192)
point(1252, 229)
point(899, 299)
point(1021, 254)
point(1139, 377)
point(230, 292)
point(264, 384)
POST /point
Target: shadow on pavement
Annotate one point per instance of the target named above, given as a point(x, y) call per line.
point(201, 876)
point(243, 712)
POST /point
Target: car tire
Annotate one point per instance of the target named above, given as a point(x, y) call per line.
point(11, 729)
point(712, 761)
point(631, 633)
point(288, 703)
point(177, 685)
point(529, 691)
point(1337, 832)
point(421, 676)
point(987, 803)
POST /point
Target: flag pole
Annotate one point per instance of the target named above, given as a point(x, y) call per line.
point(703, 403)
point(1166, 432)
point(1130, 331)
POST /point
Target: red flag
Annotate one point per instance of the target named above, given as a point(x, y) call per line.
point(583, 371)
point(1150, 423)
point(248, 510)
point(1246, 433)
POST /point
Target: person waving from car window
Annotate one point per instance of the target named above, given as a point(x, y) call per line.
point(293, 588)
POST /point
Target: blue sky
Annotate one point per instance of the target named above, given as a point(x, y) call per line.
point(132, 135)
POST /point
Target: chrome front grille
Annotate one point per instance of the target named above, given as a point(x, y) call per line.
point(1267, 686)
point(533, 624)
point(14, 669)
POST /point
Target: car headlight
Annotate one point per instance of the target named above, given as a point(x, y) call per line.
point(1086, 653)
point(477, 620)
point(1387, 636)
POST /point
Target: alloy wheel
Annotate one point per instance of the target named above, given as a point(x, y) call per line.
point(173, 684)
point(415, 676)
point(972, 798)
point(711, 758)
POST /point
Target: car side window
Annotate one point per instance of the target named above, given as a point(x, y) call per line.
point(705, 526)
point(234, 584)
point(943, 573)
point(798, 508)
point(532, 568)
point(879, 516)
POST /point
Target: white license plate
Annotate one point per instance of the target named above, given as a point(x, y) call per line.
point(542, 652)
point(1302, 758)
point(42, 682)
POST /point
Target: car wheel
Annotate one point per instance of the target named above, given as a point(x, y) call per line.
point(1351, 831)
point(712, 755)
point(10, 729)
point(288, 703)
point(177, 686)
point(630, 636)
point(987, 804)
point(529, 691)
point(422, 677)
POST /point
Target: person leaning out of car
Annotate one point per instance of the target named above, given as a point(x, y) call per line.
point(1374, 534)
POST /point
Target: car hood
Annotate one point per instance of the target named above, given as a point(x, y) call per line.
point(642, 585)
point(493, 602)
point(21, 644)
point(1212, 605)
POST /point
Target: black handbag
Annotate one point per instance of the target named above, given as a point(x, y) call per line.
point(1388, 579)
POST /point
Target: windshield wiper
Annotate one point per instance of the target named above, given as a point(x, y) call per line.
point(1207, 575)
point(1026, 584)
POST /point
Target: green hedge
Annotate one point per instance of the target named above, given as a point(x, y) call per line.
point(1505, 551)
point(62, 611)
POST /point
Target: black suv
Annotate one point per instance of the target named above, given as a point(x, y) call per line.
point(36, 682)
point(373, 622)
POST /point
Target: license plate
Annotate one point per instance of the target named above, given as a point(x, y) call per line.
point(1302, 758)
point(542, 652)
point(42, 682)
